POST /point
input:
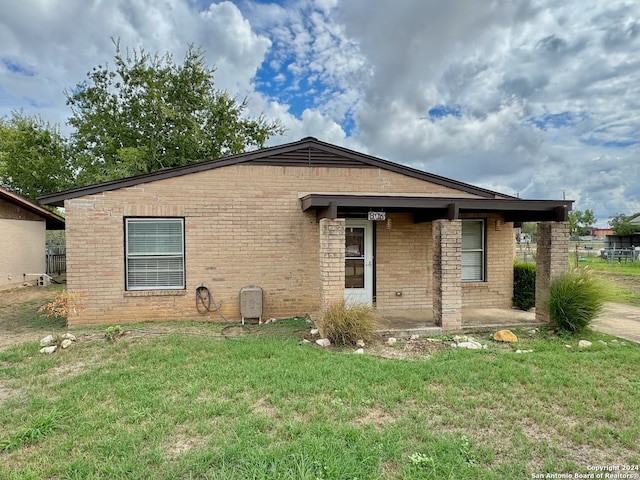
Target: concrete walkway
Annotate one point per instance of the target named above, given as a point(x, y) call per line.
point(620, 320)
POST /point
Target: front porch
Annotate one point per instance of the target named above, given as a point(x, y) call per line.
point(407, 322)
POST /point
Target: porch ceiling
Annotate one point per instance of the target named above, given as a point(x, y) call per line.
point(426, 209)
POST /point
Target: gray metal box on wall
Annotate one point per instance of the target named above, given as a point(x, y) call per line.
point(251, 302)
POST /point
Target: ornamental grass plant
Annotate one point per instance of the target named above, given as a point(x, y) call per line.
point(576, 298)
point(346, 324)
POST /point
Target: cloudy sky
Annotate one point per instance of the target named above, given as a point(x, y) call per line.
point(537, 98)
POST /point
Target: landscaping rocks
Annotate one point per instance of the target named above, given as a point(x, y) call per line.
point(314, 331)
point(505, 336)
point(360, 343)
point(49, 349)
point(47, 341)
point(66, 343)
point(391, 341)
point(524, 351)
point(584, 344)
point(360, 351)
point(323, 342)
point(471, 345)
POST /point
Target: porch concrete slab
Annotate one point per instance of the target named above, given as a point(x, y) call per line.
point(474, 319)
point(407, 322)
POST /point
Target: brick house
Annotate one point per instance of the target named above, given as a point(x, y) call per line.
point(310, 223)
point(23, 227)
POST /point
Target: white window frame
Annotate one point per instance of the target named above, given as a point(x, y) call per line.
point(174, 268)
point(475, 252)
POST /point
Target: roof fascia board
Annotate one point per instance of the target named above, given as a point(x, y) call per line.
point(54, 222)
point(308, 142)
point(485, 204)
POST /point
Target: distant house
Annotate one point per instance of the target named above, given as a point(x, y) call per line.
point(312, 224)
point(600, 232)
point(23, 227)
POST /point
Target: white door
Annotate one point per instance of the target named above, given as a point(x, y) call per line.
point(358, 262)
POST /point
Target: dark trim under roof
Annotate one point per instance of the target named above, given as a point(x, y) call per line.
point(432, 208)
point(308, 152)
point(53, 221)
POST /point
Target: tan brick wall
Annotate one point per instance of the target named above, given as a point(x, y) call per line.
point(404, 263)
point(552, 259)
point(243, 226)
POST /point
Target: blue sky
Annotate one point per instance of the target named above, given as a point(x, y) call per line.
point(531, 97)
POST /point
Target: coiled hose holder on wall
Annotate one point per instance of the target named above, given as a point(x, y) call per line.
point(204, 300)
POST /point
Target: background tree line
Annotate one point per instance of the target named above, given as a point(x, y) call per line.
point(145, 113)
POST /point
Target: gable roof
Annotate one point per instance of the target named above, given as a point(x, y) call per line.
point(53, 221)
point(308, 152)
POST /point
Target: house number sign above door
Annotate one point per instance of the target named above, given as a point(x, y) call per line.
point(377, 216)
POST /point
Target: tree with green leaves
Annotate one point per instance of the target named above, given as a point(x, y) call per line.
point(579, 222)
point(148, 113)
point(34, 157)
point(621, 224)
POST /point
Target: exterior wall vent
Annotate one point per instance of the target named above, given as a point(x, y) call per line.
point(251, 303)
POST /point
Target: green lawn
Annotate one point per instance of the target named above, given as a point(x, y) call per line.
point(196, 405)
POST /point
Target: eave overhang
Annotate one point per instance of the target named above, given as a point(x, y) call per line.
point(426, 209)
point(52, 221)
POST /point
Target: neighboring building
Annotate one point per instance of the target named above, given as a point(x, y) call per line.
point(309, 222)
point(600, 232)
point(23, 228)
point(635, 222)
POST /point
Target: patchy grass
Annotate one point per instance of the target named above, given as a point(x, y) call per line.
point(620, 268)
point(185, 401)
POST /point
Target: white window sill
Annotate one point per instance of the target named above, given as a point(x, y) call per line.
point(155, 293)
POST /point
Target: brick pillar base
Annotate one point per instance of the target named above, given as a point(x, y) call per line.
point(447, 274)
point(552, 259)
point(331, 262)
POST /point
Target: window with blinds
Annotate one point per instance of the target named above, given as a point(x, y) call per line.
point(473, 251)
point(154, 253)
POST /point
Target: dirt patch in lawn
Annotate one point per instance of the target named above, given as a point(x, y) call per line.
point(19, 318)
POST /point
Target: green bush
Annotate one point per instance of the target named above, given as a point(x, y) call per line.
point(346, 324)
point(524, 285)
point(575, 299)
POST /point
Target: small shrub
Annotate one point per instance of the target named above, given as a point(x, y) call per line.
point(575, 299)
point(524, 285)
point(346, 324)
point(63, 305)
point(112, 332)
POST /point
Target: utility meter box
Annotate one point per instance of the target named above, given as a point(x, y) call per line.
point(251, 302)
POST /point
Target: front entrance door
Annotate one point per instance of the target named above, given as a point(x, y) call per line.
point(358, 262)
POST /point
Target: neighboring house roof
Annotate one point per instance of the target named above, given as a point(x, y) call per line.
point(635, 220)
point(53, 221)
point(311, 152)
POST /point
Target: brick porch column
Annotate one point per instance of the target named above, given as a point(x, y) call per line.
point(331, 262)
point(552, 259)
point(447, 274)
